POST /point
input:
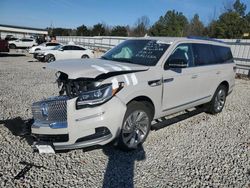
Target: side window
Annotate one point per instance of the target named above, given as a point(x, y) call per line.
point(181, 54)
point(27, 40)
point(66, 48)
point(203, 54)
point(78, 48)
point(52, 44)
point(223, 54)
point(74, 48)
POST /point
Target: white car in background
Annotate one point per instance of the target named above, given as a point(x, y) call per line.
point(22, 43)
point(44, 46)
point(64, 52)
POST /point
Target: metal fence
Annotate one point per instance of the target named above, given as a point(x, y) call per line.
point(240, 47)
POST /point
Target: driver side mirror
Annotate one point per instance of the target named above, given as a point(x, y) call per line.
point(176, 63)
point(61, 49)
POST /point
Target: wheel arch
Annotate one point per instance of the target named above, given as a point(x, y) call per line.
point(143, 98)
point(226, 84)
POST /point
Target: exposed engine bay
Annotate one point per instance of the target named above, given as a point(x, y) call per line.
point(74, 87)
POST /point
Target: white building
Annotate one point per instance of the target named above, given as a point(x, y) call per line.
point(20, 32)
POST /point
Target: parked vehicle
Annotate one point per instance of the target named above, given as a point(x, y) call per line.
point(10, 38)
point(4, 46)
point(22, 43)
point(43, 46)
point(115, 98)
point(64, 52)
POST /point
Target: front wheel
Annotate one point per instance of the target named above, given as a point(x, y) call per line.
point(136, 126)
point(49, 58)
point(218, 102)
point(12, 46)
point(85, 57)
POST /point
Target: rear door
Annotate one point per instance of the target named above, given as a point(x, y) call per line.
point(207, 68)
point(180, 84)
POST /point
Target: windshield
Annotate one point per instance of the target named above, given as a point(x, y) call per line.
point(143, 52)
point(57, 47)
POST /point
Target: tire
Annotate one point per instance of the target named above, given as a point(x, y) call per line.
point(85, 57)
point(133, 134)
point(12, 46)
point(50, 58)
point(217, 104)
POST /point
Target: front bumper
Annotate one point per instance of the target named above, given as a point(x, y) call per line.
point(85, 127)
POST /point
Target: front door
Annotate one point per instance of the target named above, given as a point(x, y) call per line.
point(179, 83)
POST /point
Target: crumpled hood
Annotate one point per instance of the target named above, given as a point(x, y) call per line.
point(91, 68)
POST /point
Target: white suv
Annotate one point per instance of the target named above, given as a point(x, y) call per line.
point(117, 96)
point(22, 43)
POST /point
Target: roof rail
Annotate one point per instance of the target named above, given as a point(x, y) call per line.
point(205, 38)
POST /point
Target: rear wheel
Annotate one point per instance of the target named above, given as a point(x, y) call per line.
point(136, 126)
point(12, 46)
point(218, 102)
point(49, 58)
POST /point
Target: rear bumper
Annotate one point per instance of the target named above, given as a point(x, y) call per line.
point(85, 127)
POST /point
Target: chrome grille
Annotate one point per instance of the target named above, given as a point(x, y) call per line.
point(50, 110)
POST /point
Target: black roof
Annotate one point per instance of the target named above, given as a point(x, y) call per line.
point(21, 27)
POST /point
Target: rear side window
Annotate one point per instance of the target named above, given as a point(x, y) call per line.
point(223, 54)
point(67, 48)
point(203, 55)
point(77, 48)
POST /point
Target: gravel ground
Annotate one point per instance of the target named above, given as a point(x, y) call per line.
point(201, 151)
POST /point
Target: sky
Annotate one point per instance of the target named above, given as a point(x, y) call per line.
point(73, 13)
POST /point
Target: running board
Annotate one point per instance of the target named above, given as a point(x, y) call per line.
point(164, 122)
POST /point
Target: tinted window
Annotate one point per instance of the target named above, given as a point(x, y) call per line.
point(182, 52)
point(27, 40)
point(223, 54)
point(203, 55)
point(67, 48)
point(77, 48)
point(52, 44)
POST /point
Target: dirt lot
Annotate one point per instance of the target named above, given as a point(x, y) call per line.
point(200, 151)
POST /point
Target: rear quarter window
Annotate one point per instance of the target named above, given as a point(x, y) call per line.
point(223, 54)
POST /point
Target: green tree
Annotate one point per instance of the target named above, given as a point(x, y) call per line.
point(173, 24)
point(61, 32)
point(240, 8)
point(195, 27)
point(98, 30)
point(230, 25)
point(82, 31)
point(119, 31)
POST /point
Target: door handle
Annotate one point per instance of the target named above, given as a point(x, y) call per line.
point(194, 76)
point(218, 72)
point(154, 83)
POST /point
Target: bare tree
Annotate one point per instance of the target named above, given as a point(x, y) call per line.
point(141, 26)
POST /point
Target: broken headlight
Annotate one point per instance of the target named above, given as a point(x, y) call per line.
point(96, 97)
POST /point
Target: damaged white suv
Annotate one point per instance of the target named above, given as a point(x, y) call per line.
point(117, 96)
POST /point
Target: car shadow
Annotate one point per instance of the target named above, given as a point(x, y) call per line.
point(160, 124)
point(19, 127)
point(32, 61)
point(11, 55)
point(121, 165)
